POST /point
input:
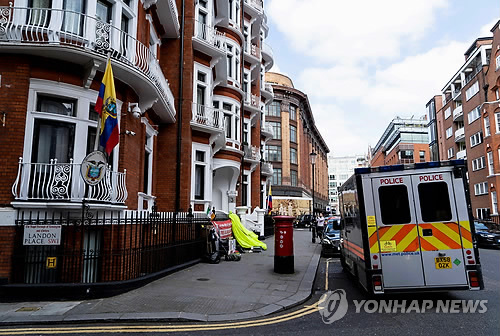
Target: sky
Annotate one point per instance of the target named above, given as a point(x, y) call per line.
point(363, 63)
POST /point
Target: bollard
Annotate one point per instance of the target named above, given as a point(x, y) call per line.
point(283, 245)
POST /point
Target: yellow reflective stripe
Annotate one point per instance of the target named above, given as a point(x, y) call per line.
point(466, 236)
point(373, 230)
point(433, 241)
point(448, 232)
point(391, 232)
point(403, 244)
point(465, 224)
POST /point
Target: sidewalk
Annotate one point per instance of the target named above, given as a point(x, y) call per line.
point(204, 292)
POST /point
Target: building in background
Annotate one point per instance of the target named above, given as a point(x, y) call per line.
point(404, 141)
point(466, 130)
point(435, 120)
point(340, 168)
point(294, 136)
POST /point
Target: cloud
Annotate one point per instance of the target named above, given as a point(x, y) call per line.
point(352, 106)
point(485, 30)
point(352, 31)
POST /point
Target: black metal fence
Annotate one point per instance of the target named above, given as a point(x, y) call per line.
point(99, 247)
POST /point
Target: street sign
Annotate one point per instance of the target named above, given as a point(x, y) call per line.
point(42, 235)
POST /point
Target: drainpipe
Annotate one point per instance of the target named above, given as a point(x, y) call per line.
point(179, 119)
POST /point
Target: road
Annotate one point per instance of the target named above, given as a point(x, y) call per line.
point(306, 319)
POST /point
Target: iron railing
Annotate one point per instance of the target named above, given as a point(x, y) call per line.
point(207, 116)
point(102, 247)
point(56, 181)
point(211, 35)
point(50, 26)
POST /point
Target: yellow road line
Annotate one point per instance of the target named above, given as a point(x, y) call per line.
point(179, 328)
point(326, 276)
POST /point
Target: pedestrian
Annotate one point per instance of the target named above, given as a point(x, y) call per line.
point(321, 225)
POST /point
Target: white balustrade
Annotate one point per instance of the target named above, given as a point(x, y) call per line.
point(211, 35)
point(55, 181)
point(207, 116)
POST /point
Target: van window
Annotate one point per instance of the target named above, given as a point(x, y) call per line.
point(434, 202)
point(394, 205)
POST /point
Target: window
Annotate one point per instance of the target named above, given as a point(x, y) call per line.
point(273, 153)
point(276, 126)
point(476, 139)
point(473, 115)
point(478, 163)
point(494, 203)
point(244, 190)
point(422, 156)
point(472, 90)
point(434, 202)
point(497, 123)
point(293, 134)
point(274, 109)
point(234, 11)
point(231, 118)
point(56, 105)
point(293, 178)
point(293, 156)
point(103, 11)
point(233, 62)
point(245, 133)
point(449, 132)
point(487, 126)
point(293, 112)
point(450, 152)
point(482, 213)
point(497, 94)
point(39, 16)
point(447, 113)
point(277, 176)
point(394, 204)
point(490, 163)
point(497, 63)
point(73, 19)
point(481, 188)
point(148, 164)
point(199, 175)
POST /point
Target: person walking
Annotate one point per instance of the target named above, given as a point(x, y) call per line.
point(321, 225)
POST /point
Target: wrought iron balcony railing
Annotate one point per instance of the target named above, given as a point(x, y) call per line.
point(207, 116)
point(49, 26)
point(211, 35)
point(55, 181)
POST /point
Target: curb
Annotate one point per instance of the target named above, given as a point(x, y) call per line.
point(303, 294)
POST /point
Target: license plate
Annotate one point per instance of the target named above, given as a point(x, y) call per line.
point(442, 262)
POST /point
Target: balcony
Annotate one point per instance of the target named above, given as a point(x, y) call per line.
point(462, 154)
point(56, 183)
point(266, 131)
point(267, 91)
point(460, 135)
point(254, 7)
point(209, 40)
point(252, 54)
point(456, 94)
point(266, 169)
point(86, 41)
point(458, 114)
point(267, 56)
point(207, 119)
point(252, 104)
point(251, 155)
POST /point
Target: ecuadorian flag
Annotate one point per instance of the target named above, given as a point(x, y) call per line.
point(106, 107)
point(269, 201)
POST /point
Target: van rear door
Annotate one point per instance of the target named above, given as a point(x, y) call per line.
point(439, 227)
point(396, 237)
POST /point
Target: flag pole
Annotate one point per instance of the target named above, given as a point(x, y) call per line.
point(98, 132)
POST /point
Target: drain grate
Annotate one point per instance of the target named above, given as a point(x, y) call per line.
point(203, 279)
point(27, 309)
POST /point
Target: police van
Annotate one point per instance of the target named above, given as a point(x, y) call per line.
point(407, 228)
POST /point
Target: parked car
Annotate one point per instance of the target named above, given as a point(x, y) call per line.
point(305, 221)
point(486, 237)
point(330, 244)
point(297, 220)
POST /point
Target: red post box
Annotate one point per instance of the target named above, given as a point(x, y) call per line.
point(283, 244)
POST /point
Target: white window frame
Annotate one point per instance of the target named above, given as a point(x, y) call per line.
point(207, 84)
point(480, 188)
point(497, 62)
point(472, 91)
point(449, 132)
point(248, 183)
point(497, 122)
point(450, 152)
point(208, 175)
point(84, 98)
point(473, 115)
point(494, 203)
point(476, 139)
point(234, 113)
point(491, 169)
point(480, 212)
point(478, 163)
point(447, 113)
point(233, 52)
point(487, 131)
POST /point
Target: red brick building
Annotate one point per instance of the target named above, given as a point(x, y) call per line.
point(190, 97)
